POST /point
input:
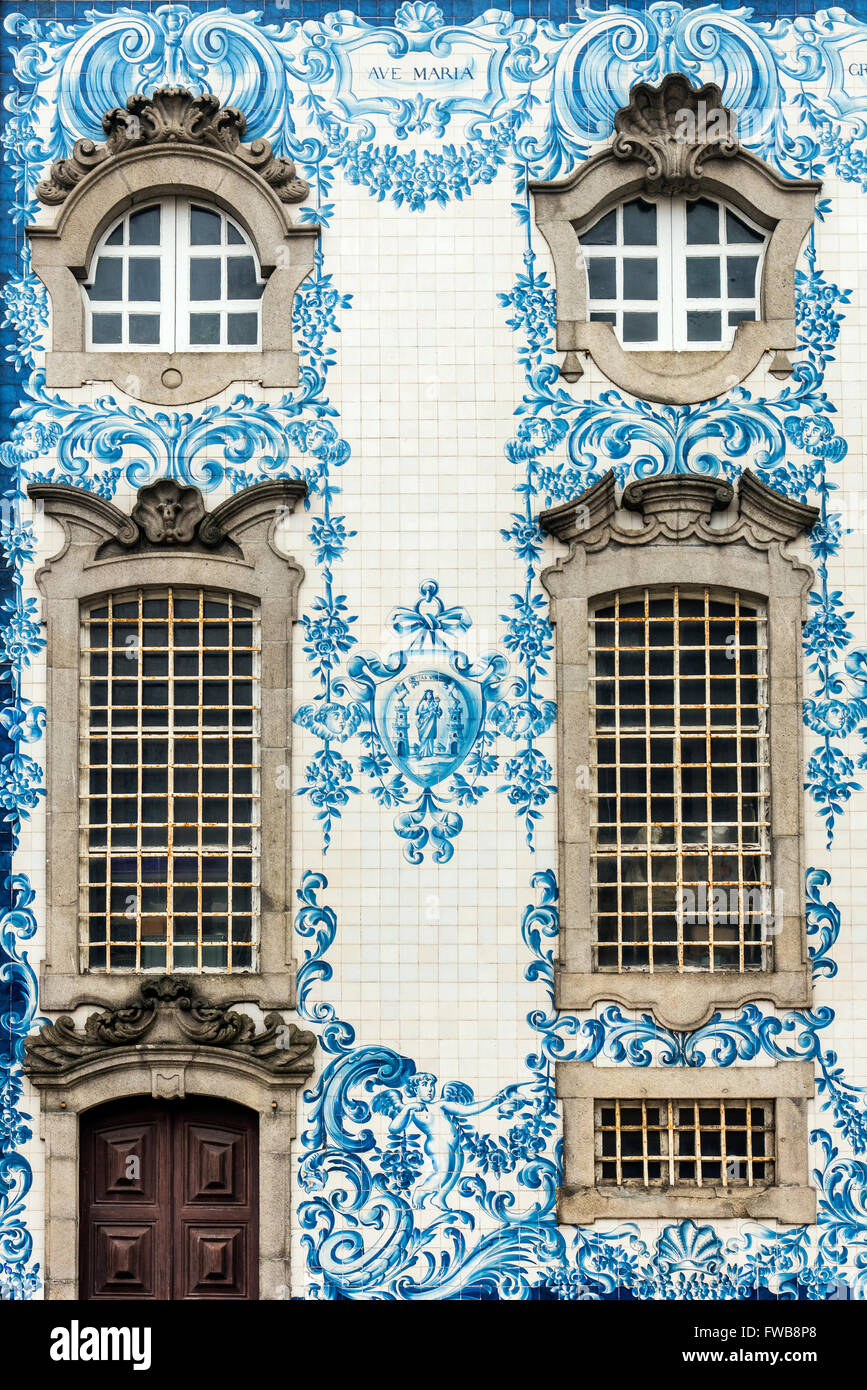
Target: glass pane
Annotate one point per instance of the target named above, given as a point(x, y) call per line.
point(703, 327)
point(639, 279)
point(204, 278)
point(737, 316)
point(702, 277)
point(242, 280)
point(107, 282)
point(606, 317)
point(702, 223)
point(107, 328)
point(738, 231)
point(741, 276)
point(639, 223)
point(116, 238)
point(205, 227)
point(144, 278)
point(144, 227)
point(243, 329)
point(639, 328)
point(204, 328)
point(144, 328)
point(603, 232)
point(233, 236)
point(602, 276)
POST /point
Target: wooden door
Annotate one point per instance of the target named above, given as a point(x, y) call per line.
point(169, 1201)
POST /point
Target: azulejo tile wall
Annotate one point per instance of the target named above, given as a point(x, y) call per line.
point(431, 427)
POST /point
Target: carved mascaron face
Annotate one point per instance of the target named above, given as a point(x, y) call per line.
point(168, 513)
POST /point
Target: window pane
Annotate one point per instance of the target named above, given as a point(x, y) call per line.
point(639, 328)
point(144, 227)
point(702, 223)
point(205, 227)
point(144, 328)
point(737, 316)
point(639, 223)
point(144, 278)
point(702, 277)
point(116, 238)
point(602, 277)
point(738, 231)
point(603, 232)
point(639, 279)
point(604, 317)
point(107, 328)
point(242, 280)
point(243, 329)
point(741, 276)
point(107, 282)
point(204, 278)
point(204, 329)
point(233, 236)
point(703, 327)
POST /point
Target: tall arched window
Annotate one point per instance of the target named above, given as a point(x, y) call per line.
point(177, 275)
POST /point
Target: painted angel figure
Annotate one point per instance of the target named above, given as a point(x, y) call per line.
point(435, 1120)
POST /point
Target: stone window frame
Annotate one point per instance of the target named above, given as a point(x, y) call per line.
point(169, 539)
point(166, 1041)
point(690, 530)
point(676, 140)
point(171, 144)
point(790, 1199)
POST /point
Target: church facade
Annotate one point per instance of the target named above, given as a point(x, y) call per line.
point(434, 653)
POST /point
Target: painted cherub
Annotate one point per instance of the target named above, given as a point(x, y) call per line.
point(436, 1121)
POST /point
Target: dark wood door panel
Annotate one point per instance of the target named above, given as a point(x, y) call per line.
point(169, 1201)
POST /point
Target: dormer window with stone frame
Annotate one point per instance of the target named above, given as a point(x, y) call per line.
point(678, 614)
point(172, 261)
point(169, 721)
point(675, 250)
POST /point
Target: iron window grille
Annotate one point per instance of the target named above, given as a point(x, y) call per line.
point(170, 782)
point(682, 1143)
point(681, 824)
point(673, 274)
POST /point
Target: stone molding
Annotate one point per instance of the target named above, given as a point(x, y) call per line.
point(170, 144)
point(169, 1012)
point(790, 1199)
point(173, 115)
point(650, 154)
point(233, 550)
point(684, 529)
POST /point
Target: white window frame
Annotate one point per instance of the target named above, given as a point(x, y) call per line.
point(174, 305)
point(671, 251)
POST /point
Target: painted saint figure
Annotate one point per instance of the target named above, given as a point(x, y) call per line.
point(427, 714)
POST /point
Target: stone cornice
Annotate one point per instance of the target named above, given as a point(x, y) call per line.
point(173, 116)
point(166, 1015)
point(678, 507)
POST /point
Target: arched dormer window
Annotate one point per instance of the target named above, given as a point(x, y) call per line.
point(674, 251)
point(177, 275)
point(172, 261)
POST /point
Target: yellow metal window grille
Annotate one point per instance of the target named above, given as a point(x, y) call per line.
point(170, 782)
point(684, 1143)
point(681, 819)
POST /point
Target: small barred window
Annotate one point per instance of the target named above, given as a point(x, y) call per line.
point(681, 837)
point(170, 782)
point(677, 1143)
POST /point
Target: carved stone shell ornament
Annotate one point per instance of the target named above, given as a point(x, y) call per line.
point(673, 129)
point(169, 514)
point(173, 115)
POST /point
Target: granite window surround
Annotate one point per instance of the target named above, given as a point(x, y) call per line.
point(789, 1199)
point(169, 539)
point(688, 530)
point(674, 141)
point(173, 144)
